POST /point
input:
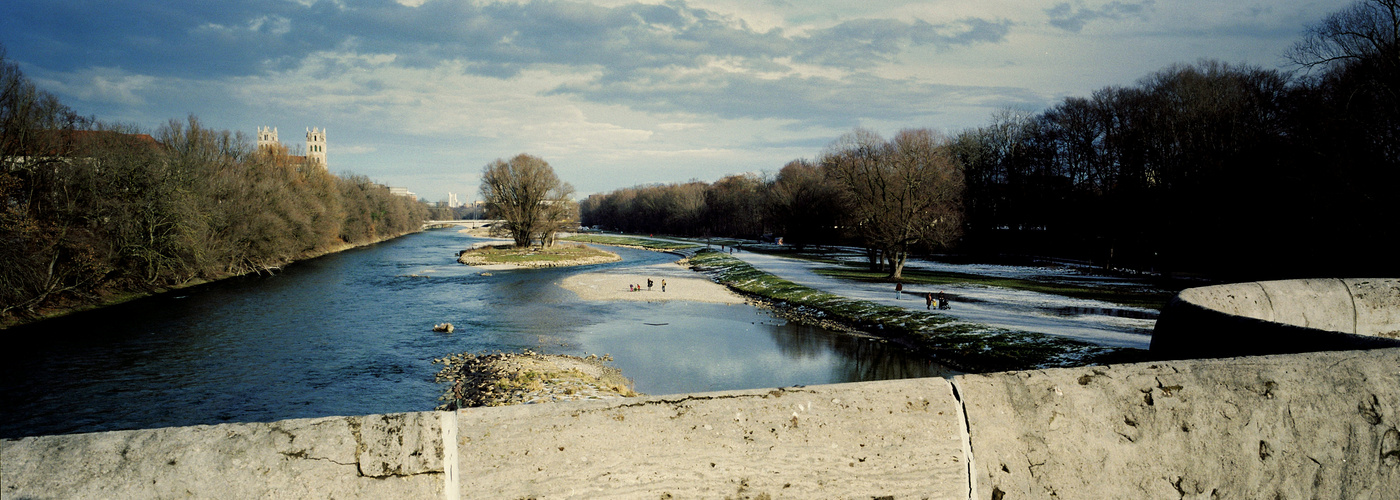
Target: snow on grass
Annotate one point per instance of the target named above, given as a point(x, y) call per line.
point(964, 345)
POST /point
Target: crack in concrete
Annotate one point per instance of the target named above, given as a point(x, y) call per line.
point(779, 392)
point(965, 430)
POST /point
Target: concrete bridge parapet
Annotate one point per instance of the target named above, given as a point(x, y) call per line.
point(1274, 317)
point(1283, 426)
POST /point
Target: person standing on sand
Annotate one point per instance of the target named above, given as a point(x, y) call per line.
point(648, 284)
point(898, 289)
point(663, 286)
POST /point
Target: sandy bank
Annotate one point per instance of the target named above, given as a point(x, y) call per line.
point(681, 284)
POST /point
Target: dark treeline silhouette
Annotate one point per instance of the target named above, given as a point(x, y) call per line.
point(888, 196)
point(92, 210)
point(1234, 172)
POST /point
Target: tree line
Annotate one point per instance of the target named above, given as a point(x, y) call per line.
point(91, 210)
point(1232, 171)
point(891, 197)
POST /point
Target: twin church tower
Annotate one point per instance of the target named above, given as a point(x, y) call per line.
point(315, 143)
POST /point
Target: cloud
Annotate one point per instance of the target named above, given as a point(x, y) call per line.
point(103, 86)
point(1073, 18)
point(826, 101)
point(868, 42)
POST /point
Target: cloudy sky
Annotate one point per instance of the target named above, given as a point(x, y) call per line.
point(613, 93)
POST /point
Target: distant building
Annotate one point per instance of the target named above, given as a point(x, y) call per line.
point(315, 144)
point(402, 191)
point(452, 200)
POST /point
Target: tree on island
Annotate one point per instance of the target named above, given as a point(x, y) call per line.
point(528, 198)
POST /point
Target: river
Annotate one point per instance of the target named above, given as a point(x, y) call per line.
point(349, 334)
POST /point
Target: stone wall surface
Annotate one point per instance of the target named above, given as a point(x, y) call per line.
point(1320, 425)
point(900, 439)
point(1276, 317)
point(333, 457)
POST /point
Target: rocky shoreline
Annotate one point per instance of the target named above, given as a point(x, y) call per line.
point(527, 377)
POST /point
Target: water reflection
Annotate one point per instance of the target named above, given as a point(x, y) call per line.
point(708, 347)
point(349, 334)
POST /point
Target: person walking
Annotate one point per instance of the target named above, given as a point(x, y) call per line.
point(928, 301)
point(898, 290)
point(663, 286)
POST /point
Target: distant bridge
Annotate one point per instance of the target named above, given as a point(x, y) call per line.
point(471, 224)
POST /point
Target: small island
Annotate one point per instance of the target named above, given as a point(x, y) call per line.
point(506, 256)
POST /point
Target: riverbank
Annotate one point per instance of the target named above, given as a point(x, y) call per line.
point(527, 377)
point(494, 256)
point(109, 298)
point(964, 346)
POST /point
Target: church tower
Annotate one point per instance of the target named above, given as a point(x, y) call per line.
point(316, 146)
point(267, 138)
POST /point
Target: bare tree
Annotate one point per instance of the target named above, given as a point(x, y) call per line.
point(899, 193)
point(529, 199)
point(1365, 29)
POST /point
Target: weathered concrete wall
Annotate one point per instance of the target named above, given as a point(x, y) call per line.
point(1275, 317)
point(1295, 426)
point(1319, 425)
point(896, 438)
point(376, 456)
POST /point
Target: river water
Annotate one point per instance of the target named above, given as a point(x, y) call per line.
point(349, 334)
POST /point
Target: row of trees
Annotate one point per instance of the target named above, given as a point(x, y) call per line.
point(891, 197)
point(89, 209)
point(1233, 171)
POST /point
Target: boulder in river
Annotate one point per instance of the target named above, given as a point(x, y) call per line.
point(444, 327)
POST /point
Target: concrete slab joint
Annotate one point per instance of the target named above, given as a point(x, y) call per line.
point(1313, 425)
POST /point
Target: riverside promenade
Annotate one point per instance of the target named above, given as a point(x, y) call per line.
point(1300, 424)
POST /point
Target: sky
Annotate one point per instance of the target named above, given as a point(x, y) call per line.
point(612, 93)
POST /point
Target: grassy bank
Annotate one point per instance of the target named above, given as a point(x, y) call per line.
point(960, 345)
